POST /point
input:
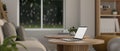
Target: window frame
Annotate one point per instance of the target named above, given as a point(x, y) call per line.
point(41, 28)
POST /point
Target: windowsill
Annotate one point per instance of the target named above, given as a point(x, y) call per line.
point(36, 29)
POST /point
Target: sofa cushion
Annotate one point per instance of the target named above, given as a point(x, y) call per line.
point(31, 46)
point(9, 30)
point(20, 33)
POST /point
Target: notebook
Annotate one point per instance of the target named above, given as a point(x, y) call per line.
point(78, 35)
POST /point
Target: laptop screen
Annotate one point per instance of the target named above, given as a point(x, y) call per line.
point(80, 32)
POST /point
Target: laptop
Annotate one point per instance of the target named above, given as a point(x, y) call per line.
point(78, 35)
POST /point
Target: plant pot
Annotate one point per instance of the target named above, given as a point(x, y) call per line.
point(72, 33)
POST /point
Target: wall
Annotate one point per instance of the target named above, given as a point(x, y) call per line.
point(12, 10)
point(72, 13)
point(87, 15)
point(77, 12)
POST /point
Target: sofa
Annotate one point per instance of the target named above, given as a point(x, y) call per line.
point(32, 44)
point(107, 39)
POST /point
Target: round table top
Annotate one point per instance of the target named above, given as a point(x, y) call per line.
point(80, 42)
point(61, 36)
point(58, 36)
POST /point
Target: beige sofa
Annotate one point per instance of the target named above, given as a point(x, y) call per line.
point(31, 44)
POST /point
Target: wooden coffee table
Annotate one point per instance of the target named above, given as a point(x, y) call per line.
point(81, 45)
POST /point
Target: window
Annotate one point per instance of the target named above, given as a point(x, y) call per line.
point(41, 13)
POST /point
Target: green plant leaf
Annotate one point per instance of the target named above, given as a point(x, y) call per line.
point(10, 45)
point(22, 45)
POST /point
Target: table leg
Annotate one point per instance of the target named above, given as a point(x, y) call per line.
point(72, 47)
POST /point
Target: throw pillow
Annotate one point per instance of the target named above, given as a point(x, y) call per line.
point(1, 36)
point(9, 30)
point(2, 21)
point(20, 33)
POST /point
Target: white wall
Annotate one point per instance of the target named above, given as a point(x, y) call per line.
point(12, 10)
point(72, 13)
point(87, 15)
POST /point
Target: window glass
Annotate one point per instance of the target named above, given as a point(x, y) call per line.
point(31, 15)
point(53, 13)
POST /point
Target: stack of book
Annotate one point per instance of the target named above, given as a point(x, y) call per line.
point(109, 25)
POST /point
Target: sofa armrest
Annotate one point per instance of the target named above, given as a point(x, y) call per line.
point(30, 39)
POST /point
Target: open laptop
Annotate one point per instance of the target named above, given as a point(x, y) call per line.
point(78, 35)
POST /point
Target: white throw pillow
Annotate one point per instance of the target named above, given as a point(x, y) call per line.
point(1, 36)
point(2, 21)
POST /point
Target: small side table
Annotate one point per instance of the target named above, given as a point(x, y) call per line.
point(81, 45)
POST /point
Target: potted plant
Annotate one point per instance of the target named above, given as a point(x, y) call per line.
point(10, 45)
point(72, 30)
point(114, 12)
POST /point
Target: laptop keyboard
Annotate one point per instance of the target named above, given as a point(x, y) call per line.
point(71, 39)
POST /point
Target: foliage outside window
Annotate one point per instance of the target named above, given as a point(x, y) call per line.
point(41, 13)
